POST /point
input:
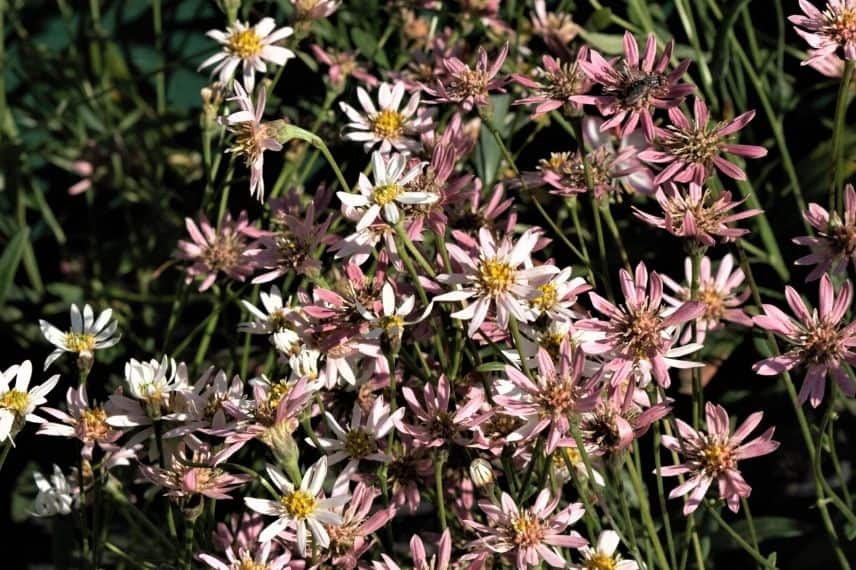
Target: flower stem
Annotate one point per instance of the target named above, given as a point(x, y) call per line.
point(698, 395)
point(439, 463)
point(836, 195)
point(661, 497)
point(189, 527)
point(636, 480)
point(759, 558)
point(4, 453)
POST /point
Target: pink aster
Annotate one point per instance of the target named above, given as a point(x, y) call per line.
point(633, 86)
point(638, 336)
point(555, 84)
point(531, 534)
point(440, 561)
point(342, 65)
point(698, 214)
point(195, 473)
point(224, 249)
point(835, 242)
point(84, 422)
point(829, 30)
point(690, 149)
point(468, 86)
point(819, 340)
point(433, 423)
point(712, 456)
point(352, 538)
point(612, 427)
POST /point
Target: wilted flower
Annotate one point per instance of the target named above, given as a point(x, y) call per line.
point(386, 124)
point(87, 335)
point(712, 457)
point(56, 496)
point(252, 46)
point(17, 404)
point(835, 242)
point(820, 341)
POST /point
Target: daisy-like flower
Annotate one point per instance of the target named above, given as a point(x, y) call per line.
point(214, 250)
point(277, 320)
point(252, 136)
point(300, 507)
point(386, 193)
point(440, 561)
point(829, 30)
point(690, 150)
point(495, 278)
point(835, 242)
point(391, 322)
point(17, 404)
point(712, 456)
point(612, 427)
point(555, 84)
point(603, 555)
point(641, 331)
point(635, 85)
point(435, 424)
point(315, 9)
point(720, 294)
point(151, 386)
point(56, 496)
point(557, 29)
point(466, 86)
point(245, 559)
point(353, 538)
point(87, 335)
point(386, 124)
point(551, 401)
point(360, 440)
point(84, 422)
point(820, 341)
point(557, 294)
point(530, 535)
point(697, 214)
point(195, 473)
point(250, 46)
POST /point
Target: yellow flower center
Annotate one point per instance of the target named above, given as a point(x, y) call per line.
point(547, 299)
point(716, 458)
point(527, 530)
point(278, 320)
point(359, 444)
point(15, 400)
point(245, 43)
point(299, 504)
point(495, 277)
point(714, 304)
point(600, 561)
point(388, 124)
point(94, 423)
point(277, 392)
point(383, 195)
point(78, 342)
point(247, 563)
point(842, 25)
point(393, 325)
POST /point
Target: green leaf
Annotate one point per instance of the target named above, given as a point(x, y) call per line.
point(10, 260)
point(600, 20)
point(491, 367)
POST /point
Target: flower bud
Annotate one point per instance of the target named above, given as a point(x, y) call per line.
point(481, 473)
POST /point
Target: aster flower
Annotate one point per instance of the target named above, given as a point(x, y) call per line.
point(17, 404)
point(387, 191)
point(555, 84)
point(252, 136)
point(195, 472)
point(315, 9)
point(439, 561)
point(391, 322)
point(689, 150)
point(87, 335)
point(635, 85)
point(342, 65)
point(466, 86)
point(550, 401)
point(386, 124)
point(530, 535)
point(353, 537)
point(204, 407)
point(603, 555)
point(277, 320)
point(819, 340)
point(835, 242)
point(300, 507)
point(698, 214)
point(557, 29)
point(829, 30)
point(712, 456)
point(720, 293)
point(360, 440)
point(612, 426)
point(84, 422)
point(495, 278)
point(435, 423)
point(245, 558)
point(642, 331)
point(56, 496)
point(557, 294)
point(213, 250)
point(151, 386)
point(250, 46)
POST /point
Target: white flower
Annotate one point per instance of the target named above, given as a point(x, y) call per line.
point(16, 403)
point(360, 441)
point(386, 192)
point(304, 364)
point(252, 137)
point(387, 124)
point(300, 507)
point(495, 277)
point(556, 295)
point(603, 555)
point(152, 383)
point(251, 45)
point(276, 321)
point(87, 334)
point(392, 320)
point(55, 497)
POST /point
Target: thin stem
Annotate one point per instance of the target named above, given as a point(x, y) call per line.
point(189, 528)
point(160, 78)
point(439, 462)
point(750, 523)
point(661, 497)
point(698, 395)
point(759, 558)
point(6, 446)
point(836, 196)
point(636, 480)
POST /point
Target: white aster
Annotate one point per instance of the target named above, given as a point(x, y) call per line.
point(387, 124)
point(603, 555)
point(87, 334)
point(17, 404)
point(276, 320)
point(55, 497)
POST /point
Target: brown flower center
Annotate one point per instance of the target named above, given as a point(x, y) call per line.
point(359, 443)
point(527, 530)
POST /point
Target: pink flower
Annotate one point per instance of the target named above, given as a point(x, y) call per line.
point(555, 84)
point(224, 249)
point(341, 66)
point(819, 340)
point(611, 427)
point(835, 242)
point(529, 534)
point(440, 561)
point(466, 86)
point(829, 30)
point(84, 422)
point(638, 336)
point(634, 86)
point(690, 150)
point(697, 214)
point(195, 473)
point(556, 28)
point(352, 538)
point(713, 456)
point(436, 424)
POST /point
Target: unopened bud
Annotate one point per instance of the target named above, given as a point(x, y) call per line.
point(481, 473)
point(278, 437)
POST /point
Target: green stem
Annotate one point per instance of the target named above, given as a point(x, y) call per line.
point(698, 395)
point(750, 523)
point(160, 78)
point(439, 462)
point(638, 486)
point(836, 195)
point(661, 497)
point(189, 528)
point(4, 453)
point(759, 558)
